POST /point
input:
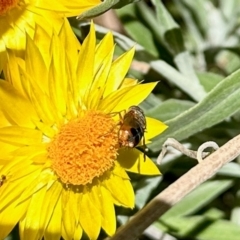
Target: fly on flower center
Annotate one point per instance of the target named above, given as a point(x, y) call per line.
point(6, 5)
point(84, 148)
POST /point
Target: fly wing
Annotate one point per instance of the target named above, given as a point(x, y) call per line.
point(129, 122)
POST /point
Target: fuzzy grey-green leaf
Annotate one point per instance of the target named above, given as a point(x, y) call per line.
point(222, 102)
point(103, 7)
point(169, 109)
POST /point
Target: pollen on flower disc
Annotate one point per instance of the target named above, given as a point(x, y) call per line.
point(6, 5)
point(84, 148)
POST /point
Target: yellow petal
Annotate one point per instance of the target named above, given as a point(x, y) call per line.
point(53, 230)
point(96, 196)
point(15, 105)
point(128, 82)
point(11, 72)
point(118, 71)
point(120, 172)
point(3, 55)
point(31, 228)
point(11, 31)
point(102, 50)
point(78, 232)
point(7, 149)
point(43, 106)
point(103, 201)
point(52, 197)
point(43, 180)
point(30, 151)
point(133, 161)
point(3, 119)
point(39, 94)
point(99, 82)
point(68, 8)
point(90, 217)
point(85, 63)
point(36, 69)
point(68, 214)
point(21, 227)
point(8, 220)
point(154, 128)
point(20, 135)
point(108, 212)
point(58, 89)
point(45, 129)
point(126, 97)
point(67, 36)
point(123, 194)
point(12, 189)
point(13, 137)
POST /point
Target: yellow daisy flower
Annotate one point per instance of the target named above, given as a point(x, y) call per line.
point(20, 16)
point(61, 167)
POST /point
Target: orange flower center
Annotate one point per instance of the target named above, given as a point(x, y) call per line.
point(84, 148)
point(6, 5)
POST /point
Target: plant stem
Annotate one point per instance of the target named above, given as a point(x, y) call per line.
point(178, 190)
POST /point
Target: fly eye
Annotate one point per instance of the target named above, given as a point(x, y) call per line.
point(136, 135)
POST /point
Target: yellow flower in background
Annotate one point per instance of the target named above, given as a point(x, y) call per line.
point(61, 165)
point(20, 16)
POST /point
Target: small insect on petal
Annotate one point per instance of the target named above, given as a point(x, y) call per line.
point(2, 180)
